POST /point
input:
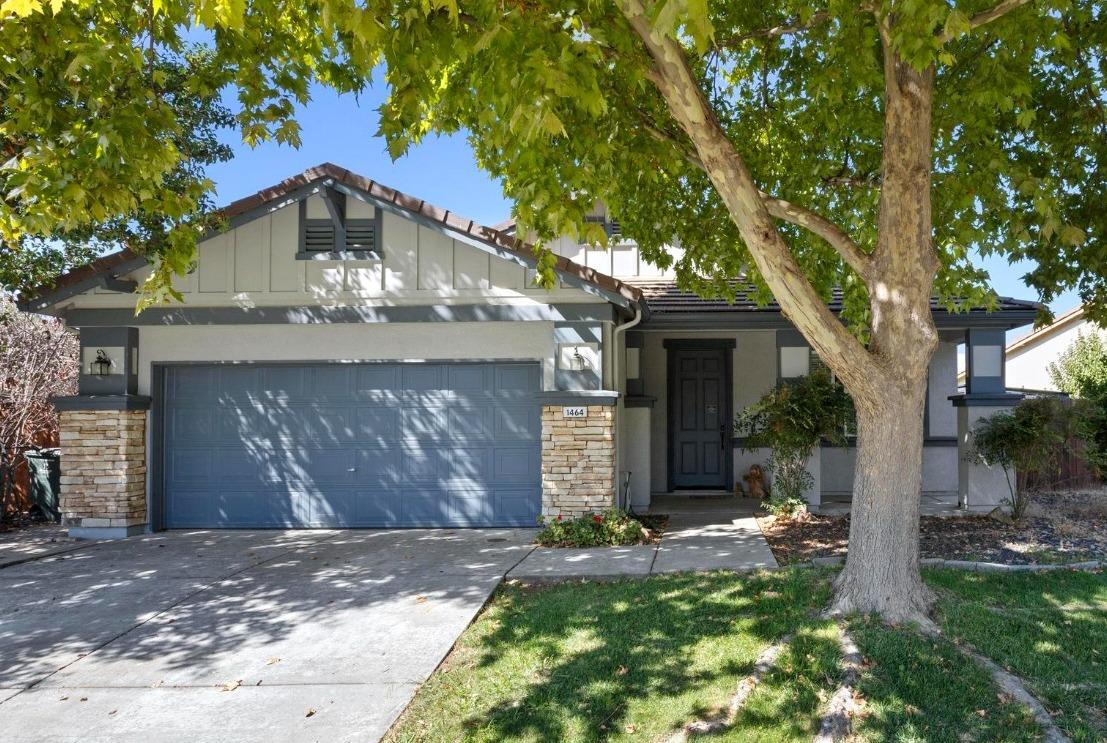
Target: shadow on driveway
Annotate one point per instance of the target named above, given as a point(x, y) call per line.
point(238, 635)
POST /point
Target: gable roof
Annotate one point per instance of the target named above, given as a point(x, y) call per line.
point(297, 187)
point(1034, 337)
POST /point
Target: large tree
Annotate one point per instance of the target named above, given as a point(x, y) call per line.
point(804, 145)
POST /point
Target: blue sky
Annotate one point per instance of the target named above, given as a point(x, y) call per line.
point(442, 170)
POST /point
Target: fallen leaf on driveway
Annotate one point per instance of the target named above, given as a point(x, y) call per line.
point(420, 599)
point(310, 712)
point(232, 685)
point(272, 660)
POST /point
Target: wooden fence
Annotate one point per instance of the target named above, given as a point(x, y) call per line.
point(1072, 472)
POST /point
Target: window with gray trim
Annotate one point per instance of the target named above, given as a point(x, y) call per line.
point(611, 227)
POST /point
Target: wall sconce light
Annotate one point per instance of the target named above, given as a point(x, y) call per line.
point(579, 362)
point(101, 367)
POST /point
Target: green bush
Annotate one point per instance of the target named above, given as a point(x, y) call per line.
point(1081, 371)
point(1029, 438)
point(791, 420)
point(611, 528)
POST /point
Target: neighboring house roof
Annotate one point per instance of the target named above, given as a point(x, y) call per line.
point(300, 186)
point(667, 301)
point(1034, 337)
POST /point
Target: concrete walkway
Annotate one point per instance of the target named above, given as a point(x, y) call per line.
point(702, 535)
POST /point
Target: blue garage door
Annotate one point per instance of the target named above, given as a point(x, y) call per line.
point(319, 445)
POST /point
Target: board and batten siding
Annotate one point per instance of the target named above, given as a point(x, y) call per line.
point(254, 264)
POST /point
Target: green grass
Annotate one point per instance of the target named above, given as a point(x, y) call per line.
point(614, 661)
point(632, 660)
point(1049, 629)
point(918, 689)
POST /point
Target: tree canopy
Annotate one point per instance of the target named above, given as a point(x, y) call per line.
point(559, 102)
point(36, 258)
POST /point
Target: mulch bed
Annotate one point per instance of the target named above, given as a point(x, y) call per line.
point(1060, 527)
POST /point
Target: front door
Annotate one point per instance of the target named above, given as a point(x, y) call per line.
point(699, 418)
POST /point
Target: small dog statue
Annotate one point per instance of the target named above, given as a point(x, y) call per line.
point(755, 482)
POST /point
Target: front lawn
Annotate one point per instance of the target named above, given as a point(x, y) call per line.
point(637, 659)
point(1049, 629)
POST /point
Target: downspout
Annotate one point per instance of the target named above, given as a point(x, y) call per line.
point(619, 401)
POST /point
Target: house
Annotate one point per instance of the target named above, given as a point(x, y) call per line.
point(1029, 357)
point(348, 355)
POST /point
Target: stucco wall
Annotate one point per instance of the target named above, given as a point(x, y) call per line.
point(1028, 368)
point(347, 342)
point(939, 469)
point(943, 383)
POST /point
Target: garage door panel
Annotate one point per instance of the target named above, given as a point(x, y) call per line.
point(191, 424)
point(513, 464)
point(469, 422)
point(470, 507)
point(424, 423)
point(376, 424)
point(466, 466)
point(516, 422)
point(515, 507)
point(427, 506)
point(469, 378)
point(373, 444)
point(189, 466)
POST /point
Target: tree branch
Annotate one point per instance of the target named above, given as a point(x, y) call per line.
point(987, 16)
point(851, 252)
point(786, 211)
point(798, 299)
point(784, 29)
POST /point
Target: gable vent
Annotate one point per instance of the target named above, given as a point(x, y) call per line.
point(319, 235)
point(361, 234)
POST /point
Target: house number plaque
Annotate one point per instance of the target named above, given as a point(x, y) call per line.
point(574, 412)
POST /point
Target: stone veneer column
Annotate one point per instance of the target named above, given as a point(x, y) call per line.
point(103, 466)
point(578, 461)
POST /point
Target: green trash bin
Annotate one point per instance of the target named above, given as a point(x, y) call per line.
point(45, 470)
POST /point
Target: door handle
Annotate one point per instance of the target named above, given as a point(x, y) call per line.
point(722, 437)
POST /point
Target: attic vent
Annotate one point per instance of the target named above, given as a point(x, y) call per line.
point(361, 234)
point(319, 235)
point(338, 238)
point(610, 226)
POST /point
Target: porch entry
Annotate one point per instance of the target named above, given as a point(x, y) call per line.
point(700, 413)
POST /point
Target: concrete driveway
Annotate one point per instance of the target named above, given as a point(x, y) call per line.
point(238, 635)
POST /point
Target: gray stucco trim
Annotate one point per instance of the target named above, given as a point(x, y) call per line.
point(1006, 399)
point(639, 401)
point(578, 397)
point(308, 315)
point(773, 320)
point(102, 402)
point(338, 255)
point(681, 343)
point(98, 280)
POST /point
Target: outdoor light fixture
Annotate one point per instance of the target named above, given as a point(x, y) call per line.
point(101, 367)
point(579, 362)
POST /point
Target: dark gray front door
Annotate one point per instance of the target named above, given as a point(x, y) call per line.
point(332, 445)
point(698, 418)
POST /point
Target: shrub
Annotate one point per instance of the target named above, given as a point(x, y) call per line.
point(611, 528)
point(1081, 370)
point(1027, 438)
point(791, 420)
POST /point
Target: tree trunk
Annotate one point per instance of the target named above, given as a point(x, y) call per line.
point(882, 567)
point(881, 574)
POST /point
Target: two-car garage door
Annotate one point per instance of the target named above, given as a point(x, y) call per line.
point(375, 444)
